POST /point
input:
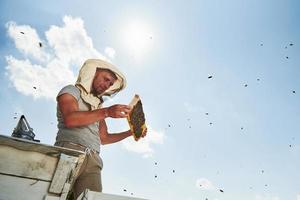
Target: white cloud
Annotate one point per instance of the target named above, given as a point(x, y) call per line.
point(204, 184)
point(44, 70)
point(36, 80)
point(27, 41)
point(298, 196)
point(71, 42)
point(144, 145)
point(110, 52)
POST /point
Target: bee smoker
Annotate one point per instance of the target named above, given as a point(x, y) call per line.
point(23, 130)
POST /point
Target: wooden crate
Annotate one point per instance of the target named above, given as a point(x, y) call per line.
point(30, 170)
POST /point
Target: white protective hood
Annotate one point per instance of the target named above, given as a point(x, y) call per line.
point(86, 77)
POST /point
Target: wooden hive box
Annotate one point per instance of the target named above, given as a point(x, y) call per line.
point(30, 170)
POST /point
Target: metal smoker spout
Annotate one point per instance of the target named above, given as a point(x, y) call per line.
point(23, 130)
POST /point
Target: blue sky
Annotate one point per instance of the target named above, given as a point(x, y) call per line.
point(248, 143)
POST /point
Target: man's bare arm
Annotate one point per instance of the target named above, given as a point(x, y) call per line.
point(69, 108)
point(108, 138)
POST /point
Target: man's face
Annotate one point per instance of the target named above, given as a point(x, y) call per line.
point(102, 81)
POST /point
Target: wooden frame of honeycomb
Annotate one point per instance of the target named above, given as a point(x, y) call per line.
point(136, 118)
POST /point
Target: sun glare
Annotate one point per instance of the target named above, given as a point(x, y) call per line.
point(137, 38)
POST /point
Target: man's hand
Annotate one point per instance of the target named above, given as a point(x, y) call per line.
point(118, 111)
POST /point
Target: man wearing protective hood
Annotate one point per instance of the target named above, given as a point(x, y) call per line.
point(81, 118)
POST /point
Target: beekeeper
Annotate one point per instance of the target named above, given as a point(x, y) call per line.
point(81, 118)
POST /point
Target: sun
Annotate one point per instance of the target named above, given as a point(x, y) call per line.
point(137, 37)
